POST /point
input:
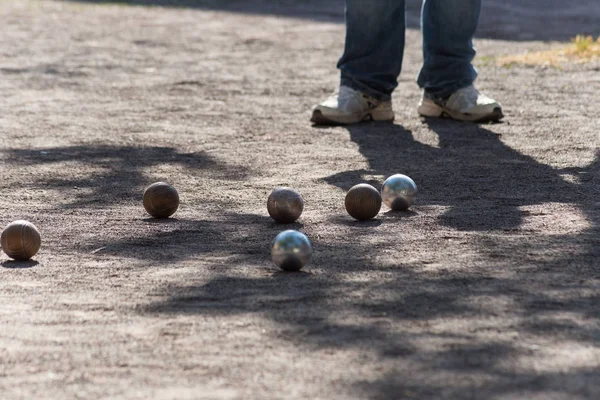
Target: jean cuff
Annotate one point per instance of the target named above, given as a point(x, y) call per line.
point(361, 87)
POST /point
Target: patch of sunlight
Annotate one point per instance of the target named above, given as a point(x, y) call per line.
point(554, 219)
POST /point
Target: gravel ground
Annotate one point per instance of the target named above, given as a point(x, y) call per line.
point(487, 289)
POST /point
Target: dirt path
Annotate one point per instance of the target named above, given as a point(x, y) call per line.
point(489, 289)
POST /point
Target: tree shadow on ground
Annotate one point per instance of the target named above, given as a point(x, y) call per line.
point(507, 20)
point(482, 183)
point(321, 311)
point(508, 385)
point(108, 175)
point(167, 241)
point(330, 11)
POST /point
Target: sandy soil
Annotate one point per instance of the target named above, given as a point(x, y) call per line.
point(487, 289)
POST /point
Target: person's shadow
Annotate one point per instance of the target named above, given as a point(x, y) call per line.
point(471, 171)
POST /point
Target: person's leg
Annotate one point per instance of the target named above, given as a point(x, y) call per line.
point(447, 75)
point(448, 27)
point(370, 64)
point(375, 34)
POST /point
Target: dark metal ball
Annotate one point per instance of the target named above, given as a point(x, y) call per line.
point(285, 205)
point(161, 200)
point(399, 192)
point(363, 202)
point(21, 240)
point(291, 250)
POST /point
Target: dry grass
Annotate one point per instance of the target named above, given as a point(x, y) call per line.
point(582, 49)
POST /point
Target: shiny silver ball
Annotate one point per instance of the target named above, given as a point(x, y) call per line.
point(399, 192)
point(285, 205)
point(291, 250)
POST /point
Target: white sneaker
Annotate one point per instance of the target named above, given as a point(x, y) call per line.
point(349, 106)
point(466, 104)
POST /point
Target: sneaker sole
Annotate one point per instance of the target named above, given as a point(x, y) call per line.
point(319, 119)
point(435, 111)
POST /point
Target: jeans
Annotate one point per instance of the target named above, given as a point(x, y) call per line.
point(375, 36)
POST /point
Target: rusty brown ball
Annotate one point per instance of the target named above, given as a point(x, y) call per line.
point(285, 205)
point(363, 202)
point(21, 240)
point(161, 200)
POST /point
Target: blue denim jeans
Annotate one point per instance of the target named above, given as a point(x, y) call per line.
point(375, 36)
